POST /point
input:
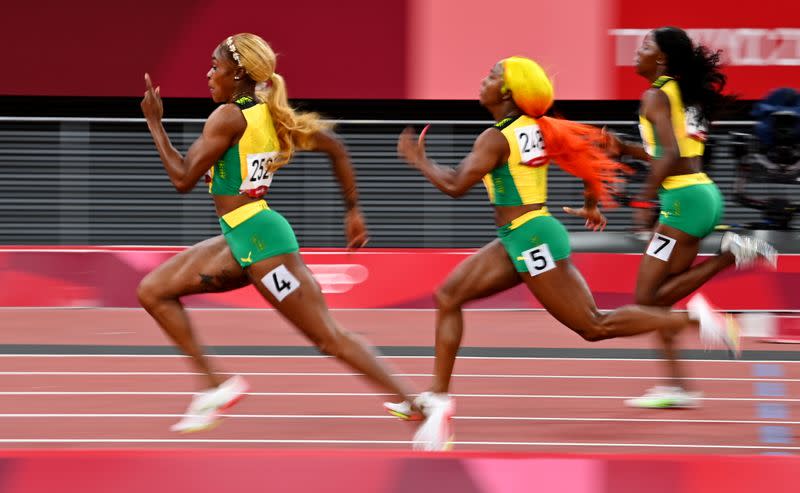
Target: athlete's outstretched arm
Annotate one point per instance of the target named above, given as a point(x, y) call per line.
point(595, 220)
point(224, 125)
point(616, 147)
point(489, 150)
point(328, 142)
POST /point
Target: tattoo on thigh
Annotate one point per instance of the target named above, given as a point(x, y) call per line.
point(225, 281)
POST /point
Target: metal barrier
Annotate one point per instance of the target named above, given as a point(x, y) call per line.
point(99, 181)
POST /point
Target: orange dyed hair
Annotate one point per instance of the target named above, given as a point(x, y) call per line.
point(575, 147)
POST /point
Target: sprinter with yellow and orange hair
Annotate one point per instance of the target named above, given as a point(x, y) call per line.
point(512, 158)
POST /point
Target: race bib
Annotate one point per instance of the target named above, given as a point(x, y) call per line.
point(539, 259)
point(531, 145)
point(695, 125)
point(661, 247)
point(258, 176)
point(280, 282)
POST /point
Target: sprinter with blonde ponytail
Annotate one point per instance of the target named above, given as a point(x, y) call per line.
point(244, 142)
point(295, 130)
point(532, 247)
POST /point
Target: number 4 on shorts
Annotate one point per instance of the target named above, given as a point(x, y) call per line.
point(539, 259)
point(280, 282)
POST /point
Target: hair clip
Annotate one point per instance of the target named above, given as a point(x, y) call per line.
point(232, 48)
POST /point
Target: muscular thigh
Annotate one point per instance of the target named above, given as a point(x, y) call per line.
point(486, 272)
point(289, 286)
point(670, 252)
point(563, 292)
point(206, 267)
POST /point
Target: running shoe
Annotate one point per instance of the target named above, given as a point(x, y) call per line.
point(661, 397)
point(436, 432)
point(716, 328)
point(748, 250)
point(205, 410)
point(405, 410)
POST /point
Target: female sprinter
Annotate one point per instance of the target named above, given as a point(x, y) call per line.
point(244, 141)
point(512, 158)
point(685, 88)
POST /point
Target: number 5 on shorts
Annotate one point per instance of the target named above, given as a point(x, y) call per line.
point(539, 259)
point(661, 247)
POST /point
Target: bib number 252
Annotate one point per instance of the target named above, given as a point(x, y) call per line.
point(539, 259)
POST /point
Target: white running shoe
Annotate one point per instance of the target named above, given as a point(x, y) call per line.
point(661, 397)
point(206, 408)
point(716, 328)
point(748, 250)
point(436, 432)
point(404, 410)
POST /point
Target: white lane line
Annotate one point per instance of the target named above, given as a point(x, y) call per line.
point(385, 417)
point(385, 442)
point(334, 374)
point(487, 358)
point(368, 394)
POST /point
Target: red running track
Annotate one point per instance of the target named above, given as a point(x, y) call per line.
point(560, 404)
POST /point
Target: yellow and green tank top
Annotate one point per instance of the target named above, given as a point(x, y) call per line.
point(523, 178)
point(687, 123)
point(244, 168)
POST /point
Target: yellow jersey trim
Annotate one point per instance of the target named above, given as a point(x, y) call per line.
point(519, 221)
point(260, 135)
point(245, 212)
point(681, 181)
point(688, 130)
point(523, 178)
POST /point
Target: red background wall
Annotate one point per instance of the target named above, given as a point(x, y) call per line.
point(393, 49)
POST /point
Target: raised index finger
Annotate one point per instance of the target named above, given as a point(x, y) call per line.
point(421, 140)
point(148, 82)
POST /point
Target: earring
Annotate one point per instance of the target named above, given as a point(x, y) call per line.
point(236, 77)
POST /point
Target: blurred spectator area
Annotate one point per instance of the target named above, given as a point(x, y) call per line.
point(99, 181)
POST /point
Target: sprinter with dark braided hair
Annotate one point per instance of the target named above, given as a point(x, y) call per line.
point(686, 86)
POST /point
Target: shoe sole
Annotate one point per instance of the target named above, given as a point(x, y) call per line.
point(670, 406)
point(217, 417)
point(195, 429)
point(733, 336)
point(403, 416)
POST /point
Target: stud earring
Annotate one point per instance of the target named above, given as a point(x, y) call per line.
point(236, 77)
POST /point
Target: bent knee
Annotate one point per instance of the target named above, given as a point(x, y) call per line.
point(646, 297)
point(593, 331)
point(149, 291)
point(593, 335)
point(448, 298)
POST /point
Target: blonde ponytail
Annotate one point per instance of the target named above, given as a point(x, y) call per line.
point(295, 130)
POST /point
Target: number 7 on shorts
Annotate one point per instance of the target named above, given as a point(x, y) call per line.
point(661, 247)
